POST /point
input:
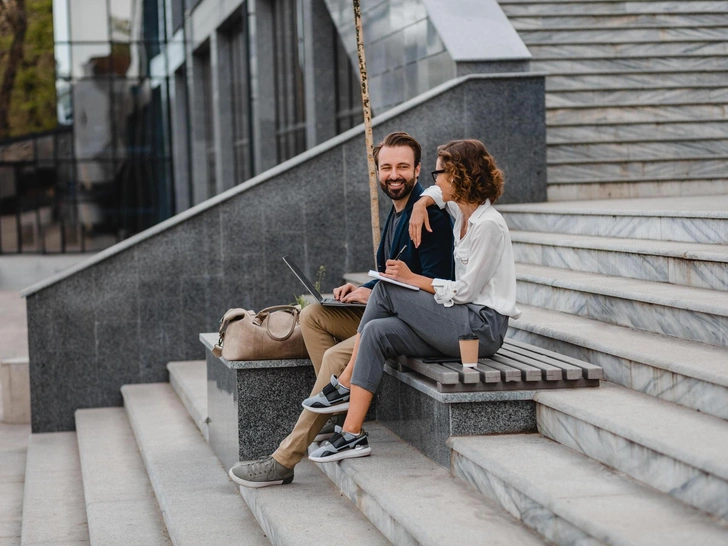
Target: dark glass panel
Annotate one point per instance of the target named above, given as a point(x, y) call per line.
point(240, 101)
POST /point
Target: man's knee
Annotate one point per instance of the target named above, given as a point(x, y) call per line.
point(311, 314)
point(336, 358)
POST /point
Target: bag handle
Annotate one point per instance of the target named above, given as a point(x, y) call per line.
point(291, 309)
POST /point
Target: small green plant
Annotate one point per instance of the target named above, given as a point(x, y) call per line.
point(301, 300)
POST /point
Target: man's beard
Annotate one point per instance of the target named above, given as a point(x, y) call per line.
point(401, 192)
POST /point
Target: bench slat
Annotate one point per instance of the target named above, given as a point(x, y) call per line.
point(529, 372)
point(518, 386)
point(434, 371)
point(550, 372)
point(572, 372)
point(488, 374)
point(466, 375)
point(590, 370)
point(508, 373)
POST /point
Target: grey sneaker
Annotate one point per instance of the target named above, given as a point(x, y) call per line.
point(342, 446)
point(334, 398)
point(261, 473)
point(327, 431)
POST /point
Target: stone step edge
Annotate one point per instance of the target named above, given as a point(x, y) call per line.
point(572, 208)
point(714, 302)
point(141, 522)
point(669, 140)
point(157, 416)
point(457, 507)
point(649, 247)
point(603, 106)
point(596, 13)
point(674, 449)
point(192, 393)
point(496, 456)
point(617, 160)
point(635, 89)
point(587, 2)
point(287, 516)
point(632, 72)
point(635, 180)
point(676, 121)
point(679, 356)
point(660, 26)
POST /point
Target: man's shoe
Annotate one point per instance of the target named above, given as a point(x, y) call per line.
point(334, 398)
point(342, 446)
point(327, 431)
point(261, 473)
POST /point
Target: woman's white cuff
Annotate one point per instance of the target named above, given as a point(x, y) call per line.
point(444, 292)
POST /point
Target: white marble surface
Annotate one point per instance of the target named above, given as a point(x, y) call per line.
point(615, 35)
point(676, 478)
point(637, 190)
point(189, 381)
point(650, 169)
point(529, 474)
point(628, 151)
point(581, 19)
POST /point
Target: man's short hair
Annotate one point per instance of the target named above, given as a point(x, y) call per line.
point(399, 138)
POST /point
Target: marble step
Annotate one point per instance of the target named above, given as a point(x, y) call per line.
point(647, 97)
point(413, 500)
point(637, 64)
point(589, 115)
point(674, 449)
point(621, 35)
point(637, 189)
point(189, 380)
point(199, 503)
point(596, 169)
point(686, 264)
point(687, 373)
point(629, 50)
point(691, 219)
point(549, 8)
point(13, 451)
point(695, 314)
point(637, 151)
point(637, 132)
point(308, 510)
point(127, 513)
point(580, 20)
point(54, 509)
point(571, 499)
point(635, 80)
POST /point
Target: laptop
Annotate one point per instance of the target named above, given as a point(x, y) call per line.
point(327, 302)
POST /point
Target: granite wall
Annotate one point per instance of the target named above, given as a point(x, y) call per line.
point(122, 315)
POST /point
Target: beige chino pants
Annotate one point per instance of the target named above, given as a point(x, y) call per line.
point(329, 335)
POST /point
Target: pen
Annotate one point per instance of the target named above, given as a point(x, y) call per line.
point(400, 253)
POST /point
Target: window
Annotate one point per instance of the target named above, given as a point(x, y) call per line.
point(240, 101)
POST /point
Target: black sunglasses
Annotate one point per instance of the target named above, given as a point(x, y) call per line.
point(435, 173)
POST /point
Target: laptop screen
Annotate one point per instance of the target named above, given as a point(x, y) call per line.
point(301, 277)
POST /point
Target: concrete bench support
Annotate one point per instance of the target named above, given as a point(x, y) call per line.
point(252, 405)
point(15, 381)
point(410, 406)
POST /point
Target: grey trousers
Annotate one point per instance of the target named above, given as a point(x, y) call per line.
point(399, 321)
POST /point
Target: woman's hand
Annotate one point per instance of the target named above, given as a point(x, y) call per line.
point(398, 270)
point(419, 218)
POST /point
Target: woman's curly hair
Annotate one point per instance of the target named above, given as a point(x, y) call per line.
point(474, 174)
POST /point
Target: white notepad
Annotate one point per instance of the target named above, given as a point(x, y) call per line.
point(376, 275)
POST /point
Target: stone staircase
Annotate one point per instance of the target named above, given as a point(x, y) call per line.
point(637, 94)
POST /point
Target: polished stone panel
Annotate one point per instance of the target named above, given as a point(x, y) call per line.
point(427, 423)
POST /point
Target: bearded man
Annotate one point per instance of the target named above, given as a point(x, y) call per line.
point(329, 331)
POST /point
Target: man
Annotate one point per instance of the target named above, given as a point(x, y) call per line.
point(329, 331)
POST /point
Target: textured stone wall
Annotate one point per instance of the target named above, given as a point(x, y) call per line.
point(137, 306)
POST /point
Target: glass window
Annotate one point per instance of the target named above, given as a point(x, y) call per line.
point(348, 91)
point(240, 102)
point(203, 79)
point(89, 21)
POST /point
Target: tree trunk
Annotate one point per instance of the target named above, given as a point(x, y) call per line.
point(18, 23)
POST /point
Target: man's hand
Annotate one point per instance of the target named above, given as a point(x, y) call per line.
point(418, 218)
point(351, 294)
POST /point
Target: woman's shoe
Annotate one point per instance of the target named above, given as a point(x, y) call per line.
point(334, 398)
point(342, 445)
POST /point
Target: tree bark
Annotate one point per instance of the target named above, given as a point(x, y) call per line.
point(18, 23)
point(373, 183)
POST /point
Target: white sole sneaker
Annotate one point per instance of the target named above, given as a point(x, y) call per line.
point(358, 451)
point(338, 408)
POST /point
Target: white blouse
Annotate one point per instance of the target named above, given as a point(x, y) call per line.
point(485, 271)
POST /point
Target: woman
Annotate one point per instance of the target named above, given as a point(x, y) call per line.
point(400, 321)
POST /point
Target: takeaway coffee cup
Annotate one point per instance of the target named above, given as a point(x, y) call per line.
point(469, 350)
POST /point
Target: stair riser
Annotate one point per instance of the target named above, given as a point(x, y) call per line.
point(634, 80)
point(696, 273)
point(577, 51)
point(637, 132)
point(534, 515)
point(631, 151)
point(682, 481)
point(691, 230)
point(617, 35)
point(636, 96)
point(623, 190)
point(639, 376)
point(640, 170)
point(645, 20)
point(659, 319)
point(610, 8)
point(634, 114)
point(673, 64)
